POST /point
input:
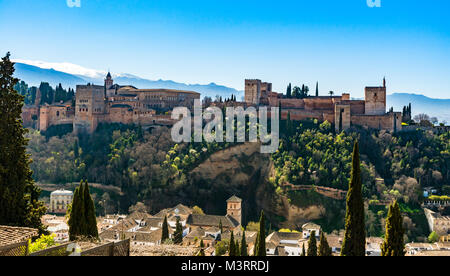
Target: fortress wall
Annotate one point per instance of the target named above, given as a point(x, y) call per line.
point(120, 115)
point(299, 114)
point(381, 122)
point(291, 103)
point(28, 112)
point(319, 103)
point(357, 107)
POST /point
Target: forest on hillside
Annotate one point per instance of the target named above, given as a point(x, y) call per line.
point(148, 165)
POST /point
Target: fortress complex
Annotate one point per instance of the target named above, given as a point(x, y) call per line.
point(112, 103)
point(339, 110)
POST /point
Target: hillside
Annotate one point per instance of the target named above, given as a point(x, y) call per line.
point(148, 167)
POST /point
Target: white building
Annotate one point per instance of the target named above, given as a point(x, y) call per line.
point(59, 201)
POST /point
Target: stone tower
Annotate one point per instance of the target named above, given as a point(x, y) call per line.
point(234, 208)
point(89, 108)
point(252, 91)
point(108, 81)
point(376, 100)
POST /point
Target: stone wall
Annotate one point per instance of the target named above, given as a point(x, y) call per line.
point(30, 115)
point(388, 121)
point(55, 115)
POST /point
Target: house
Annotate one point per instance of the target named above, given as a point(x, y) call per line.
point(438, 223)
point(209, 237)
point(373, 246)
point(288, 243)
point(180, 212)
point(308, 228)
point(57, 226)
point(59, 201)
point(335, 242)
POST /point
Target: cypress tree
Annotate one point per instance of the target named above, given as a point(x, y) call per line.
point(19, 197)
point(303, 251)
point(312, 245)
point(255, 249)
point(82, 220)
point(393, 244)
point(261, 249)
point(324, 248)
point(76, 217)
point(178, 236)
point(91, 220)
point(237, 251)
point(232, 251)
point(220, 226)
point(202, 249)
point(317, 89)
point(354, 243)
point(165, 231)
point(244, 252)
point(289, 91)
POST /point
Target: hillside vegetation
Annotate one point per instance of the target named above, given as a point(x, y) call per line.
point(150, 168)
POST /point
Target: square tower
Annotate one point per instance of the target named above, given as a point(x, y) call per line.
point(234, 208)
point(90, 104)
point(376, 100)
point(342, 117)
point(252, 91)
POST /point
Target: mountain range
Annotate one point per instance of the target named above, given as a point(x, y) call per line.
point(70, 75)
point(34, 75)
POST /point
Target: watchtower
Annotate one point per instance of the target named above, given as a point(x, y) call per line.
point(375, 100)
point(234, 208)
point(252, 91)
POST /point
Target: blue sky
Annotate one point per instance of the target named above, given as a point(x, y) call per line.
point(345, 45)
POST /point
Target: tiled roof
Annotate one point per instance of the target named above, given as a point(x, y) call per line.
point(209, 220)
point(311, 226)
point(234, 199)
point(12, 235)
point(180, 209)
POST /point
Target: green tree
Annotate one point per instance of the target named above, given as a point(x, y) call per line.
point(303, 251)
point(165, 230)
point(232, 246)
point(202, 249)
point(178, 235)
point(76, 218)
point(317, 89)
point(324, 248)
point(354, 243)
point(19, 197)
point(244, 252)
point(260, 248)
point(82, 221)
point(394, 244)
point(434, 237)
point(289, 91)
point(91, 219)
point(312, 245)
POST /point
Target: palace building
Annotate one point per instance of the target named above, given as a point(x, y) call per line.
point(339, 110)
point(111, 103)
